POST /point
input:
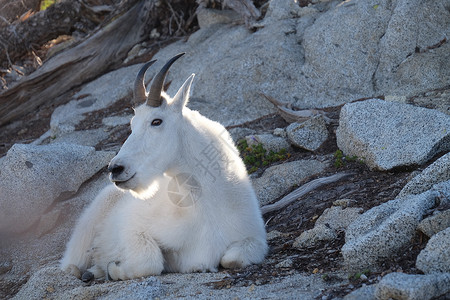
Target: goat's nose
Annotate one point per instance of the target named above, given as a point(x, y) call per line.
point(116, 169)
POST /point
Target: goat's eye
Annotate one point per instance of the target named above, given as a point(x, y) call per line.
point(156, 122)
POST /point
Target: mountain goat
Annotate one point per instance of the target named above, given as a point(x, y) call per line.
point(181, 199)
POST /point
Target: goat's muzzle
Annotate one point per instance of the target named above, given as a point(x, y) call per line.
point(115, 170)
point(119, 175)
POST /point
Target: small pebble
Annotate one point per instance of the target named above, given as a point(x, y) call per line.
point(287, 263)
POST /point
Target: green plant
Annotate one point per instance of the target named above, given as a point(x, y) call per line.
point(340, 158)
point(338, 155)
point(255, 156)
point(357, 276)
point(46, 3)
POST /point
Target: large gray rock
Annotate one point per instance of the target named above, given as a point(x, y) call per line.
point(269, 142)
point(366, 292)
point(25, 256)
point(403, 286)
point(278, 180)
point(438, 100)
point(33, 177)
point(49, 282)
point(233, 68)
point(328, 225)
point(436, 255)
point(308, 62)
point(235, 65)
point(443, 188)
point(378, 49)
point(412, 57)
point(318, 56)
point(341, 48)
point(96, 95)
point(309, 135)
point(383, 230)
point(388, 135)
point(435, 223)
point(438, 171)
point(208, 17)
point(89, 137)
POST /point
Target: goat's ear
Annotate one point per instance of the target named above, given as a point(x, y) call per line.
point(182, 96)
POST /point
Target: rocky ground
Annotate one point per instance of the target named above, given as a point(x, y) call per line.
point(365, 189)
point(315, 242)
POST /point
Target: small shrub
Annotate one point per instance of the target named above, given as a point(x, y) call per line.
point(340, 159)
point(357, 276)
point(256, 156)
point(46, 4)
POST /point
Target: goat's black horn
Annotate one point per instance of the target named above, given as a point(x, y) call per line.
point(140, 93)
point(154, 96)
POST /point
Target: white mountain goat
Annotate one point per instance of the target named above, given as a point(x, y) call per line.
point(182, 200)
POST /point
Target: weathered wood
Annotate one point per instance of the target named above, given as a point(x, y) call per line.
point(17, 39)
point(77, 65)
point(304, 189)
point(289, 115)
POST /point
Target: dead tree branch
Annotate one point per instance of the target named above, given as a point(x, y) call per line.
point(289, 115)
point(304, 189)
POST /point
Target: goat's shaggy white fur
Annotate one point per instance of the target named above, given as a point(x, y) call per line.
point(138, 230)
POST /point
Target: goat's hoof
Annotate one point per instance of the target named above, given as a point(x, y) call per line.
point(233, 265)
point(73, 270)
point(232, 260)
point(112, 270)
point(87, 276)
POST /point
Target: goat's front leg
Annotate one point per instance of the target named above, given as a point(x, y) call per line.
point(125, 249)
point(142, 257)
point(243, 253)
point(78, 255)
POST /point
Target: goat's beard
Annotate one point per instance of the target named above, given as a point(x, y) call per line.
point(146, 192)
